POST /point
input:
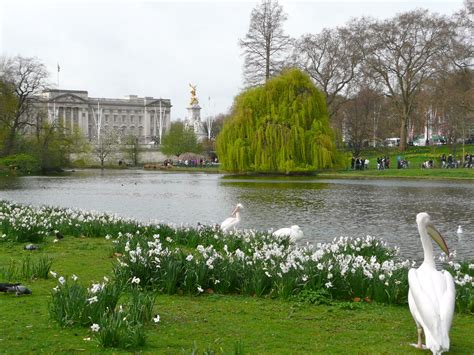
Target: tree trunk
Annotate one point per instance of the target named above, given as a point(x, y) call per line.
point(9, 142)
point(267, 63)
point(403, 134)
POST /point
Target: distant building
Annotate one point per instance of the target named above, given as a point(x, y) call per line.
point(146, 118)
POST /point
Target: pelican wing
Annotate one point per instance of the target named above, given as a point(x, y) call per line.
point(448, 300)
point(283, 232)
point(433, 302)
point(423, 310)
point(229, 223)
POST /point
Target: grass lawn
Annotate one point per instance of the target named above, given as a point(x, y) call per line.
point(220, 323)
point(415, 156)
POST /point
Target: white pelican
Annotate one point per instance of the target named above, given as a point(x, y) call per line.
point(431, 294)
point(294, 232)
point(233, 220)
point(459, 230)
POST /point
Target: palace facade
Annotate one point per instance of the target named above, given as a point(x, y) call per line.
point(146, 118)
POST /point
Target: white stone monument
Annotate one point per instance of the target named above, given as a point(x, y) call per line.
point(193, 121)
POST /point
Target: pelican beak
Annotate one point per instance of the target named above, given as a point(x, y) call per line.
point(234, 211)
point(436, 236)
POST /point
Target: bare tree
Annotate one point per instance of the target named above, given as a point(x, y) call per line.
point(132, 148)
point(331, 59)
point(216, 126)
point(361, 114)
point(403, 52)
point(24, 78)
point(265, 45)
point(107, 144)
point(462, 54)
point(453, 98)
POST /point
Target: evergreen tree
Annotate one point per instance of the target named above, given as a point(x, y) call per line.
point(281, 127)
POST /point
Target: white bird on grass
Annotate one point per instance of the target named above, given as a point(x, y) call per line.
point(233, 220)
point(294, 232)
point(431, 294)
point(459, 230)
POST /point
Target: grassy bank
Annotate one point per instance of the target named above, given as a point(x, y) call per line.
point(442, 174)
point(220, 323)
point(415, 156)
point(229, 293)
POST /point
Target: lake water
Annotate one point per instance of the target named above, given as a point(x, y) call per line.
point(324, 209)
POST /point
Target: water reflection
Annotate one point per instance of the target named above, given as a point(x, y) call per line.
point(324, 209)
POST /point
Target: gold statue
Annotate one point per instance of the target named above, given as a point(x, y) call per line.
point(194, 99)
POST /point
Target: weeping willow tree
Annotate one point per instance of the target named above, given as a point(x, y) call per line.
point(281, 127)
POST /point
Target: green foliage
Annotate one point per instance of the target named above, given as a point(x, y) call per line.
point(463, 274)
point(281, 127)
point(27, 269)
point(23, 163)
point(320, 296)
point(52, 147)
point(68, 303)
point(116, 331)
point(180, 140)
point(8, 107)
point(140, 305)
point(73, 304)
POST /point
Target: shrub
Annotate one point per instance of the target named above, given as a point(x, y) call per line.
point(22, 163)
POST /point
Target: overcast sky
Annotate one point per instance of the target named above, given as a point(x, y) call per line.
point(156, 48)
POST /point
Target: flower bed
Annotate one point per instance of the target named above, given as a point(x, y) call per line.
point(180, 259)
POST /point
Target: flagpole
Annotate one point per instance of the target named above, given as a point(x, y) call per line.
point(59, 68)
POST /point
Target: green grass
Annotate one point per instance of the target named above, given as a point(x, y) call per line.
point(460, 174)
point(209, 321)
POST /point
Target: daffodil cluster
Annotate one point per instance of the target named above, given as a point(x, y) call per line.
point(258, 264)
point(24, 223)
point(96, 307)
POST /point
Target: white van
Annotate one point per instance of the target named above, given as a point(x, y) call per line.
point(391, 142)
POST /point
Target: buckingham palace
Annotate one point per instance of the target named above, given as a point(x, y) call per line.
point(147, 118)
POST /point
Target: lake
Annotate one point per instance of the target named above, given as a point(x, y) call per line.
point(324, 209)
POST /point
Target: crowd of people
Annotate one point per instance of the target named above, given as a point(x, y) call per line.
point(383, 162)
point(468, 161)
point(450, 162)
point(359, 163)
point(192, 163)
